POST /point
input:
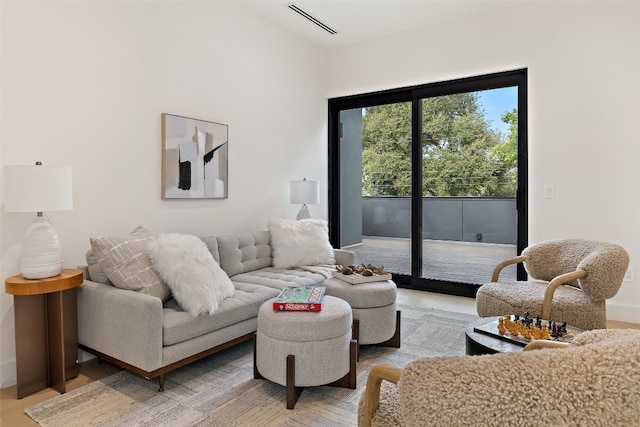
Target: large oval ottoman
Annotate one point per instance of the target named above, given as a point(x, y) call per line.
point(298, 349)
point(376, 320)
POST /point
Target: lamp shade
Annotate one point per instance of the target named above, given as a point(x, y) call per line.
point(305, 192)
point(37, 188)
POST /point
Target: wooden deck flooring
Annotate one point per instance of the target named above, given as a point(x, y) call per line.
point(463, 262)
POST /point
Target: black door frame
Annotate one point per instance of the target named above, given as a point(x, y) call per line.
point(414, 94)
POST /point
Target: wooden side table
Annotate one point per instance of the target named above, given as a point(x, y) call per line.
point(46, 330)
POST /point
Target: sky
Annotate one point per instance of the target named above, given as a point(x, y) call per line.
point(496, 102)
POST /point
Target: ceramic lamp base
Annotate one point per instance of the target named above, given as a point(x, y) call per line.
point(41, 254)
point(304, 213)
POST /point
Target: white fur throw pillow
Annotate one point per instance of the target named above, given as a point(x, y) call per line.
point(185, 264)
point(300, 242)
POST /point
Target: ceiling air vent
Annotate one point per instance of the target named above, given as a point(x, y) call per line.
point(319, 23)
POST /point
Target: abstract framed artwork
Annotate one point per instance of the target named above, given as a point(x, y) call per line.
point(194, 158)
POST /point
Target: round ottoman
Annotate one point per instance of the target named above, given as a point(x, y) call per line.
point(376, 320)
point(300, 349)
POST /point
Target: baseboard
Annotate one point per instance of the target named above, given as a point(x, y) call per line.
point(623, 313)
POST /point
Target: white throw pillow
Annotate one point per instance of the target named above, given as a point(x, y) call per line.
point(300, 242)
point(185, 264)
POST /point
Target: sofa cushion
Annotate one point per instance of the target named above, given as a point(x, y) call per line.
point(300, 242)
point(125, 262)
point(278, 278)
point(179, 325)
point(185, 264)
point(244, 252)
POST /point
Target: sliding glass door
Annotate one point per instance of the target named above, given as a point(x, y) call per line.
point(430, 181)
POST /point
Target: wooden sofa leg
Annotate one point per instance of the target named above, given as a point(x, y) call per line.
point(256, 374)
point(161, 382)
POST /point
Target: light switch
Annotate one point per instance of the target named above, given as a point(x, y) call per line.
point(549, 192)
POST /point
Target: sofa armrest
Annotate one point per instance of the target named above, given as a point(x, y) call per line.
point(344, 257)
point(123, 324)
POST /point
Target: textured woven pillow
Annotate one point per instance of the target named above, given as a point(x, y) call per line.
point(184, 262)
point(125, 262)
point(300, 242)
point(95, 271)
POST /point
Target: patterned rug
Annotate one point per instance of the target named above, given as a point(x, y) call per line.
point(220, 390)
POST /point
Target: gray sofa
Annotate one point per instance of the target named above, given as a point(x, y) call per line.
point(140, 333)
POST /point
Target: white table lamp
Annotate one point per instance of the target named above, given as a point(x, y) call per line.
point(38, 189)
point(306, 193)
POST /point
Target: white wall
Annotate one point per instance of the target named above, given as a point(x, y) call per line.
point(583, 61)
point(84, 84)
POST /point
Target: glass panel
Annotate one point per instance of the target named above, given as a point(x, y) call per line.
point(375, 179)
point(469, 182)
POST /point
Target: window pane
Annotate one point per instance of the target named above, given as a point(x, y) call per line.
point(469, 182)
point(375, 159)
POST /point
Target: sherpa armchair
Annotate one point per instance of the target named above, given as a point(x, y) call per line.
point(591, 382)
point(569, 281)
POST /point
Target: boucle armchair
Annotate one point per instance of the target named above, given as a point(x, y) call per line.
point(569, 281)
point(591, 382)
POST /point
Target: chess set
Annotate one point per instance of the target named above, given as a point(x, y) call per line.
point(362, 273)
point(522, 330)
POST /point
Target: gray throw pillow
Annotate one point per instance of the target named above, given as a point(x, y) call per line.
point(125, 262)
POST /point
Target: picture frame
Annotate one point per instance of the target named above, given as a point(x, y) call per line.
point(195, 155)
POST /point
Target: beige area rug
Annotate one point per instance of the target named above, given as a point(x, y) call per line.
point(220, 390)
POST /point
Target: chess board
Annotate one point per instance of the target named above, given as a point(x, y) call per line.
point(491, 329)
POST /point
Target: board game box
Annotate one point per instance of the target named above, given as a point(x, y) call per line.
point(300, 298)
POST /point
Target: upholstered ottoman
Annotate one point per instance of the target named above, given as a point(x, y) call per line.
point(300, 349)
point(373, 304)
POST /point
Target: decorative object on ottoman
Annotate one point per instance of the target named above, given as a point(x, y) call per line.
point(356, 274)
point(298, 349)
point(373, 305)
point(570, 280)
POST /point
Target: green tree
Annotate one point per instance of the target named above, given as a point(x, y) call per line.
point(386, 151)
point(458, 148)
point(507, 152)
